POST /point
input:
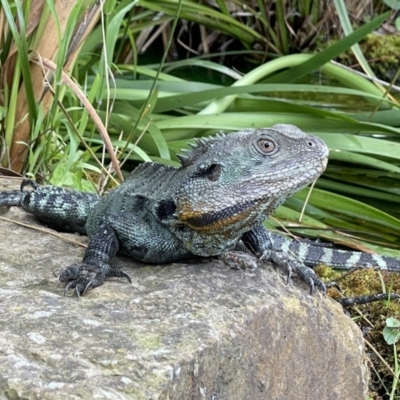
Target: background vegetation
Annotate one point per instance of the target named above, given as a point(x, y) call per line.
point(90, 88)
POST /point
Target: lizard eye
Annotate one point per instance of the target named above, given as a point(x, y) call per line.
point(213, 172)
point(310, 144)
point(266, 146)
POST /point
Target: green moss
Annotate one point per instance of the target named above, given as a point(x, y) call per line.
point(327, 273)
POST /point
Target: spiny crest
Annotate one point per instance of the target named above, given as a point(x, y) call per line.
point(198, 148)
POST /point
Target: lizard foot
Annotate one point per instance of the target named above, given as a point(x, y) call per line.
point(238, 260)
point(308, 275)
point(83, 277)
point(291, 264)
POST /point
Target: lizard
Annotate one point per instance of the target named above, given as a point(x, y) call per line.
point(213, 205)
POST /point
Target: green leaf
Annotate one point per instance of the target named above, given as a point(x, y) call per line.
point(341, 10)
point(194, 11)
point(109, 6)
point(20, 38)
point(362, 144)
point(323, 127)
point(393, 4)
point(392, 322)
point(391, 332)
point(361, 214)
point(359, 159)
point(176, 100)
point(111, 39)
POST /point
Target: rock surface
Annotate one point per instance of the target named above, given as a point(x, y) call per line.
point(180, 331)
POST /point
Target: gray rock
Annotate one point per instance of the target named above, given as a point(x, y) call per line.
point(180, 331)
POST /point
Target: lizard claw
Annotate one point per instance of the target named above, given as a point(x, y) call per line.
point(310, 278)
point(312, 286)
point(80, 289)
point(289, 275)
point(118, 273)
point(84, 277)
point(306, 274)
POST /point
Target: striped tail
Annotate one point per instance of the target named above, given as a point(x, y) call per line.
point(61, 209)
point(314, 255)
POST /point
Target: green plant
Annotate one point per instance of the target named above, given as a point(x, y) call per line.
point(391, 334)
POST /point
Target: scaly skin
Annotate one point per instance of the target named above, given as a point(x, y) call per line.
point(213, 205)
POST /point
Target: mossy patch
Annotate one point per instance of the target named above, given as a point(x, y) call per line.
point(370, 318)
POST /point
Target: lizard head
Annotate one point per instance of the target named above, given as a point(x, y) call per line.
point(238, 179)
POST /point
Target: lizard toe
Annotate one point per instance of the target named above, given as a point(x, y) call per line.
point(118, 273)
point(82, 278)
point(69, 273)
point(310, 278)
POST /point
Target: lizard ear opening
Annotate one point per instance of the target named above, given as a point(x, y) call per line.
point(213, 172)
point(166, 209)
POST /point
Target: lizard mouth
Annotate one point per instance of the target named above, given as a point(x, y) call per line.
point(324, 163)
point(221, 218)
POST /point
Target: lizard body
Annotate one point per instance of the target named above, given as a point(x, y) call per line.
point(213, 205)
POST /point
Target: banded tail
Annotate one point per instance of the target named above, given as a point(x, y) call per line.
point(61, 209)
point(314, 255)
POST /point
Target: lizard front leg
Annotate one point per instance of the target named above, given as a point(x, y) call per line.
point(259, 241)
point(95, 266)
point(143, 239)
